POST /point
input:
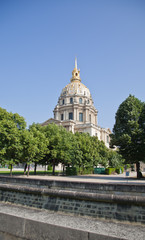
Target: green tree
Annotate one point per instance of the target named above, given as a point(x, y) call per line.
point(16, 118)
point(115, 160)
point(86, 151)
point(11, 127)
point(29, 147)
point(142, 132)
point(66, 147)
point(42, 143)
point(59, 145)
point(103, 153)
point(126, 131)
point(95, 151)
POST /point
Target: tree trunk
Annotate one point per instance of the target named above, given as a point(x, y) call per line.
point(25, 168)
point(28, 170)
point(139, 174)
point(53, 172)
point(11, 167)
point(63, 168)
point(35, 167)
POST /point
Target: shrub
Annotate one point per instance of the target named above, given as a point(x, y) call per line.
point(113, 170)
point(110, 170)
point(70, 171)
point(119, 170)
point(87, 171)
point(49, 168)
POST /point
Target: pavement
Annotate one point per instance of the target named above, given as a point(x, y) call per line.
point(100, 178)
point(128, 231)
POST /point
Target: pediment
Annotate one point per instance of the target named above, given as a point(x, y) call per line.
point(50, 120)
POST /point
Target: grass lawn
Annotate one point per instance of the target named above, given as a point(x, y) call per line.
point(7, 172)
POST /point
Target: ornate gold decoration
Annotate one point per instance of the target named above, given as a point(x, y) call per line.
point(76, 73)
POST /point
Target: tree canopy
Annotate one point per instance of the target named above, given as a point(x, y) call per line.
point(50, 145)
point(11, 127)
point(128, 131)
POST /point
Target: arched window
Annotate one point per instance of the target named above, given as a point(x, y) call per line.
point(71, 100)
point(80, 100)
point(81, 117)
point(70, 116)
point(63, 102)
point(62, 117)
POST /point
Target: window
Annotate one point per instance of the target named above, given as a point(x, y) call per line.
point(71, 100)
point(81, 117)
point(88, 101)
point(70, 116)
point(62, 116)
point(63, 101)
point(90, 117)
point(80, 100)
point(107, 139)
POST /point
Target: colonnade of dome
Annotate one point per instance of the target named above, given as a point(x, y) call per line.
point(75, 109)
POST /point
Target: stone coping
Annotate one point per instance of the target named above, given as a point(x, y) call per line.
point(134, 189)
point(30, 223)
point(95, 197)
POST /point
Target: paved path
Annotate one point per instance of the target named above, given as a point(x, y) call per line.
point(107, 228)
point(100, 178)
point(118, 178)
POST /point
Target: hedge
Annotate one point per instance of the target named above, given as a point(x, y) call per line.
point(109, 170)
point(71, 171)
point(112, 170)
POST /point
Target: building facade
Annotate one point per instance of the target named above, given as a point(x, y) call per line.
point(75, 110)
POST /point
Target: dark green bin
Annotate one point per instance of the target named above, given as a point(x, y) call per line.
point(99, 170)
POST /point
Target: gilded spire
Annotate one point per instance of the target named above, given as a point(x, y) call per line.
point(76, 73)
point(75, 63)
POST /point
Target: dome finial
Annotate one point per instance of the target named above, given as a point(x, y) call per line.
point(76, 73)
point(75, 63)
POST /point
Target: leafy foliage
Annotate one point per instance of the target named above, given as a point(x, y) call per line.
point(50, 145)
point(128, 130)
point(11, 127)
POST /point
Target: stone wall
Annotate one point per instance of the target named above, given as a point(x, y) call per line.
point(105, 188)
point(120, 207)
point(18, 228)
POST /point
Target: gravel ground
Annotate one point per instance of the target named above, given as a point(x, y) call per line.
point(124, 231)
point(96, 178)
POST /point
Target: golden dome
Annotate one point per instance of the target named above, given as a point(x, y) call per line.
point(75, 87)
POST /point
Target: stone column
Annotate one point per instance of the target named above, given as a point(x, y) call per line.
point(65, 115)
point(86, 115)
point(75, 114)
point(96, 119)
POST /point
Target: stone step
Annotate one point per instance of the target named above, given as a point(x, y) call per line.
point(23, 223)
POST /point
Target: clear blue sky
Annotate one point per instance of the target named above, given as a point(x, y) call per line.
point(40, 39)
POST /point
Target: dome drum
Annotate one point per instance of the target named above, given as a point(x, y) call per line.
point(75, 109)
